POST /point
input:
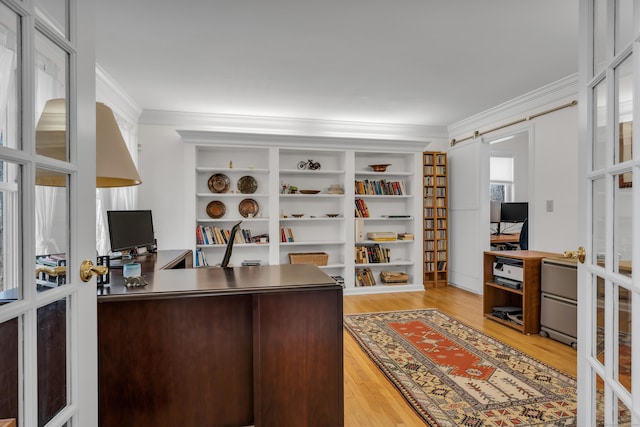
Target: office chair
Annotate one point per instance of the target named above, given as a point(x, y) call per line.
point(523, 243)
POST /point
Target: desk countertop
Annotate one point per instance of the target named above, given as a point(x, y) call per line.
point(163, 281)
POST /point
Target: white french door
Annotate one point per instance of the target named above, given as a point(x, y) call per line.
point(609, 212)
point(48, 374)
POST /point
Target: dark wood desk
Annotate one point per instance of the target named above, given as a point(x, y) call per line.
point(222, 347)
point(505, 238)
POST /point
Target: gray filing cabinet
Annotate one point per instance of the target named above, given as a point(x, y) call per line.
point(558, 300)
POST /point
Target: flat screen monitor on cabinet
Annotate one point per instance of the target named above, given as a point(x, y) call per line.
point(130, 232)
point(514, 212)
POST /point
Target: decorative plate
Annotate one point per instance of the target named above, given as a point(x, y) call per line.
point(247, 185)
point(216, 209)
point(309, 191)
point(248, 207)
point(379, 168)
point(219, 183)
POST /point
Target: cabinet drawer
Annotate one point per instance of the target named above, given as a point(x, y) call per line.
point(559, 314)
point(559, 279)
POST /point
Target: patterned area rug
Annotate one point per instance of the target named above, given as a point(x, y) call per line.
point(453, 375)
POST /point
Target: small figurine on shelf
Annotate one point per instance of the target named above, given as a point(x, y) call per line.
point(230, 164)
point(309, 164)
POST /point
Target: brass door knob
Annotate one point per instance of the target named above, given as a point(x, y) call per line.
point(579, 254)
point(87, 269)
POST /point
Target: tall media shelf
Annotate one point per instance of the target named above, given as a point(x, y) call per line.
point(319, 217)
point(435, 218)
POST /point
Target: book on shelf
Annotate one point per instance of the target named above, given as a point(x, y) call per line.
point(207, 235)
point(382, 236)
point(380, 187)
point(405, 236)
point(364, 277)
point(372, 254)
point(361, 209)
point(286, 235)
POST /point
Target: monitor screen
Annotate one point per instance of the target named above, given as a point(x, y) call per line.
point(130, 229)
point(514, 212)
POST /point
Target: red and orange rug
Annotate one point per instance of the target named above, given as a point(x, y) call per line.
point(453, 375)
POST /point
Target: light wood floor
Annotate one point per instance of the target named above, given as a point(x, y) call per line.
point(371, 400)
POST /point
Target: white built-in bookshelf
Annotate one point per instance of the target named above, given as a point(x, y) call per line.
point(307, 209)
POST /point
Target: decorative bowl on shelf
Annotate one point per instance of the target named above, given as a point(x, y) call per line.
point(309, 191)
point(216, 209)
point(248, 208)
point(333, 215)
point(297, 215)
point(380, 168)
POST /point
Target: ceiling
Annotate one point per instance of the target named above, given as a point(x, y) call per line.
point(414, 62)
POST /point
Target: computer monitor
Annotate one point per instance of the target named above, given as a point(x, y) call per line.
point(514, 211)
point(129, 230)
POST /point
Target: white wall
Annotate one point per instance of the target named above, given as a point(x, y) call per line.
point(161, 167)
point(555, 177)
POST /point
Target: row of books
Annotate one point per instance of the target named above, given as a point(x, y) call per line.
point(364, 277)
point(380, 187)
point(200, 258)
point(372, 254)
point(286, 235)
point(361, 209)
point(207, 235)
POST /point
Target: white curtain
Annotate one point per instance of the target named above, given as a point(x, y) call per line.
point(50, 239)
point(121, 198)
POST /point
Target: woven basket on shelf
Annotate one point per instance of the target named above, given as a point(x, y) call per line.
point(315, 258)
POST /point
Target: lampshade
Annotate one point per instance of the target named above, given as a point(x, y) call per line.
point(114, 166)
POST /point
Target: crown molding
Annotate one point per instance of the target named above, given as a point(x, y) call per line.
point(294, 126)
point(561, 91)
point(110, 93)
point(207, 137)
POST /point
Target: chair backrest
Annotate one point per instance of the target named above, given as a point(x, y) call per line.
point(524, 235)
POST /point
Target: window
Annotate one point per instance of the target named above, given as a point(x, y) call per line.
point(501, 179)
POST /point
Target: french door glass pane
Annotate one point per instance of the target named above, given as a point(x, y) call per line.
point(51, 107)
point(598, 316)
point(599, 35)
point(623, 224)
point(52, 360)
point(624, 24)
point(54, 14)
point(52, 229)
point(10, 235)
point(624, 337)
point(598, 221)
point(9, 363)
point(624, 97)
point(9, 58)
point(600, 126)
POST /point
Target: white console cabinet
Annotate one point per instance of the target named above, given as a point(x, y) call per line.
point(302, 194)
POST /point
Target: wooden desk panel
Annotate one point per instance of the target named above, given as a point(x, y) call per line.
point(505, 238)
point(222, 347)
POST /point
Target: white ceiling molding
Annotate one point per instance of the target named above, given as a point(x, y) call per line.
point(111, 94)
point(293, 126)
point(560, 92)
point(204, 137)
